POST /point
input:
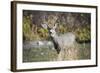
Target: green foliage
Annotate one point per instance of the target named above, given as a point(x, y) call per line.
point(43, 33)
point(33, 32)
point(62, 29)
point(83, 33)
point(26, 28)
point(43, 30)
point(26, 25)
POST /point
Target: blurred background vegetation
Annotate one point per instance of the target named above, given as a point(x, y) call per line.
point(78, 23)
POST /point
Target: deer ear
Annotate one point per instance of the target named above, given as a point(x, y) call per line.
point(44, 26)
point(55, 26)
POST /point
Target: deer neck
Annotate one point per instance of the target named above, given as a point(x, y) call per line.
point(54, 35)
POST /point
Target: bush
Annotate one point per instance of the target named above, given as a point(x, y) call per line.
point(26, 28)
point(83, 34)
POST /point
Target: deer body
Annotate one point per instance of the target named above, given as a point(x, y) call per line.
point(60, 41)
point(64, 40)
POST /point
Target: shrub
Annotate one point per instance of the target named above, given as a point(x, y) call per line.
point(83, 34)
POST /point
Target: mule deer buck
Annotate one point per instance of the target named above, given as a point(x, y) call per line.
point(60, 41)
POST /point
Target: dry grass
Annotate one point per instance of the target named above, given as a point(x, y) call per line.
point(69, 53)
point(74, 52)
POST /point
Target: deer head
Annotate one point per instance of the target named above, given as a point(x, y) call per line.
point(51, 30)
